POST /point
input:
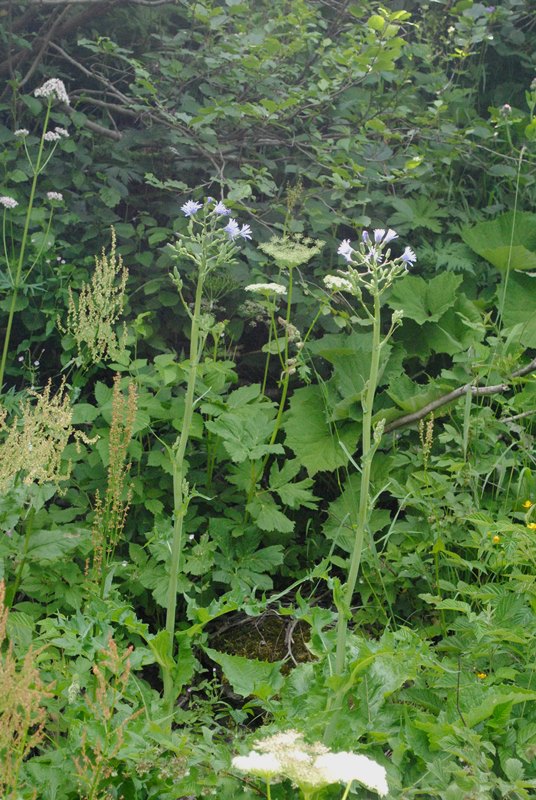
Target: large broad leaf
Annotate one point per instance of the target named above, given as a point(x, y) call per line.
point(248, 676)
point(48, 545)
point(520, 308)
point(507, 241)
point(313, 440)
point(425, 301)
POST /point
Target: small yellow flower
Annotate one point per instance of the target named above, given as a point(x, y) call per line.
point(531, 526)
point(482, 675)
point(528, 504)
point(496, 539)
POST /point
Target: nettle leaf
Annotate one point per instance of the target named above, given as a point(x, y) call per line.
point(340, 527)
point(48, 545)
point(267, 516)
point(313, 440)
point(509, 241)
point(418, 213)
point(425, 301)
point(496, 697)
point(294, 495)
point(249, 676)
point(411, 396)
point(245, 431)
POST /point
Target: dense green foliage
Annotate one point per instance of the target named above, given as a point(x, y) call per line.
point(186, 465)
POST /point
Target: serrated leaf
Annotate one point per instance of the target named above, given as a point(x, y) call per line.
point(425, 301)
point(446, 605)
point(298, 494)
point(159, 646)
point(249, 676)
point(509, 241)
point(46, 545)
point(513, 769)
point(312, 439)
point(267, 516)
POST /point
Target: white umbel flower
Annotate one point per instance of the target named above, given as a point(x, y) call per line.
point(266, 288)
point(337, 284)
point(53, 88)
point(8, 202)
point(263, 765)
point(347, 767)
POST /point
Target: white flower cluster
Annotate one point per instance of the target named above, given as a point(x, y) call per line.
point(310, 766)
point(266, 288)
point(337, 284)
point(20, 133)
point(53, 88)
point(55, 135)
point(54, 196)
point(8, 202)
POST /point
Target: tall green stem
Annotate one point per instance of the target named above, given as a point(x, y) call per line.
point(364, 500)
point(22, 252)
point(179, 498)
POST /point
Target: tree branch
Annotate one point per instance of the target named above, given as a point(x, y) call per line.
point(476, 391)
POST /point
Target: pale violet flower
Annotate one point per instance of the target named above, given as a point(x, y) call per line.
point(381, 237)
point(232, 228)
point(347, 767)
point(262, 765)
point(366, 238)
point(409, 256)
point(337, 284)
point(190, 208)
point(53, 88)
point(379, 233)
point(8, 202)
point(221, 209)
point(54, 196)
point(245, 232)
point(266, 288)
point(21, 132)
point(51, 136)
point(345, 249)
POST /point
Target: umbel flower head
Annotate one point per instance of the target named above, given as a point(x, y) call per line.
point(310, 766)
point(53, 88)
point(347, 767)
point(8, 202)
point(266, 288)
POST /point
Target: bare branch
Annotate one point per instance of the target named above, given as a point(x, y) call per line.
point(476, 391)
point(46, 41)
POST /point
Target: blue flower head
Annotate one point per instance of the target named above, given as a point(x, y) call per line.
point(191, 207)
point(232, 228)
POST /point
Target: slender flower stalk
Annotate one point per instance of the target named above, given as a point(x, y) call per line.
point(370, 268)
point(208, 249)
point(51, 90)
point(22, 252)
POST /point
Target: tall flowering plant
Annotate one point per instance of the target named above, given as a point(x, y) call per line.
point(210, 243)
point(51, 91)
point(370, 271)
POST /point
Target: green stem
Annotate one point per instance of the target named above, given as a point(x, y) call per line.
point(10, 596)
point(364, 499)
point(17, 282)
point(346, 791)
point(179, 499)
